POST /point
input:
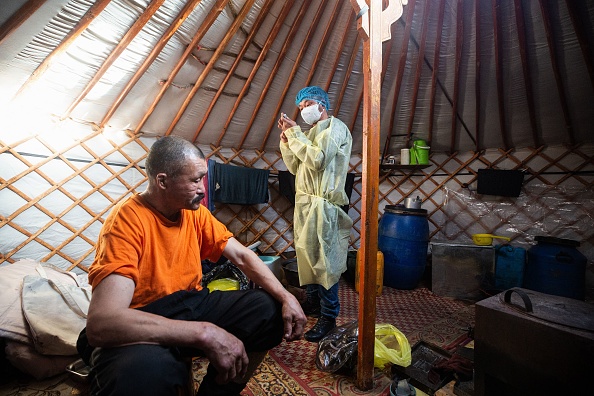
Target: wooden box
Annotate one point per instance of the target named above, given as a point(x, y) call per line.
point(531, 343)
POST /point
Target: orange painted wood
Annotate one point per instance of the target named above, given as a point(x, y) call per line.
point(181, 17)
point(372, 69)
point(80, 27)
point(238, 59)
point(208, 22)
point(271, 37)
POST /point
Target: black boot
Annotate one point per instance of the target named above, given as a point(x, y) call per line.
point(320, 329)
point(311, 309)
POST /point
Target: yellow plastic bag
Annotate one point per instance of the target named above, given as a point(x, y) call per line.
point(391, 346)
point(223, 284)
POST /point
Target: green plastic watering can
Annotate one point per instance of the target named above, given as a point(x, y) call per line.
point(419, 153)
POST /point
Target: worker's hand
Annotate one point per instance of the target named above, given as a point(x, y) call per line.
point(226, 353)
point(285, 123)
point(293, 318)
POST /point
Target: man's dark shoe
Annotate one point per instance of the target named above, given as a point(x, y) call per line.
point(311, 309)
point(320, 329)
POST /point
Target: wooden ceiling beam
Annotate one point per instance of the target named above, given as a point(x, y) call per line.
point(76, 31)
point(477, 78)
point(499, 70)
point(345, 37)
point(582, 37)
point(248, 41)
point(555, 64)
point(521, 28)
point(419, 67)
point(18, 18)
point(347, 74)
point(459, 44)
point(211, 17)
point(399, 76)
point(270, 39)
point(279, 60)
point(181, 17)
point(435, 82)
point(386, 52)
point(296, 64)
point(321, 48)
point(211, 63)
point(116, 52)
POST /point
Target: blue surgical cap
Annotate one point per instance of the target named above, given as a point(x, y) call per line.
point(313, 93)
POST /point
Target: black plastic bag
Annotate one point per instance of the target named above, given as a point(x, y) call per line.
point(226, 270)
point(338, 349)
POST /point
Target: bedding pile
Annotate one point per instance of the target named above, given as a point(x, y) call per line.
point(42, 311)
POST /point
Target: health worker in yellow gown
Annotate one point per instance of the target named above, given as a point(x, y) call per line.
point(319, 159)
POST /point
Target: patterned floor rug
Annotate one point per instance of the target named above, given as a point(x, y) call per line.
point(289, 369)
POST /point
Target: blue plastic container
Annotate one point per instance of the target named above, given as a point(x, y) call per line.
point(403, 238)
point(510, 262)
point(556, 267)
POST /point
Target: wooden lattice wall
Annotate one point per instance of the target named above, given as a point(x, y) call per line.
point(54, 196)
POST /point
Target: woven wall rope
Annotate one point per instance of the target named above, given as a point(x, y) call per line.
point(55, 196)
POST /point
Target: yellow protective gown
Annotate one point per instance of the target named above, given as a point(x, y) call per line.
point(320, 162)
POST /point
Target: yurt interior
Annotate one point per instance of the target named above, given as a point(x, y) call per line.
point(470, 263)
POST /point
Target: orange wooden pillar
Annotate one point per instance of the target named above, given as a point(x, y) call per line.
point(373, 25)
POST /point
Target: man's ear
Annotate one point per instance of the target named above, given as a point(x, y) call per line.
point(162, 180)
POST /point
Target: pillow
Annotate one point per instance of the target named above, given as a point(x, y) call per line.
point(13, 325)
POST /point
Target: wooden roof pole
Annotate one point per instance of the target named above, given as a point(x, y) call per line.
point(321, 48)
point(459, 42)
point(477, 78)
point(212, 16)
point(116, 52)
point(420, 59)
point(578, 26)
point(296, 64)
point(211, 63)
point(521, 28)
point(246, 45)
point(349, 70)
point(401, 66)
point(555, 63)
point(343, 42)
point(279, 60)
point(18, 18)
point(80, 27)
point(181, 17)
point(261, 57)
point(499, 71)
point(436, 65)
point(387, 51)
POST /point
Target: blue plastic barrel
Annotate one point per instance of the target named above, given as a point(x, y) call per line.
point(509, 266)
point(556, 267)
point(403, 238)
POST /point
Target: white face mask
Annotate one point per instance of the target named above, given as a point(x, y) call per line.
point(311, 114)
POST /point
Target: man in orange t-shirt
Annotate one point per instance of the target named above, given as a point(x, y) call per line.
point(149, 311)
